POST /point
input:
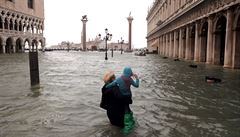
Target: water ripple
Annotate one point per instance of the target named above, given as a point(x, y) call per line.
point(172, 100)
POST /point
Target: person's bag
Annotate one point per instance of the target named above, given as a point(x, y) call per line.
point(103, 104)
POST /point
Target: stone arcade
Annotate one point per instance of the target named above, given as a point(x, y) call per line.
point(21, 25)
point(199, 30)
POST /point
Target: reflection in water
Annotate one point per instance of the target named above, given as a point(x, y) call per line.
point(36, 91)
point(172, 100)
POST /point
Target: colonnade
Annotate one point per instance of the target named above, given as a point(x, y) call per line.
point(18, 30)
point(214, 40)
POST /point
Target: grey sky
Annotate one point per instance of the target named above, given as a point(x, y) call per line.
point(63, 20)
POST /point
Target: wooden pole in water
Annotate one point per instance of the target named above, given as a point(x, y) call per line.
point(33, 64)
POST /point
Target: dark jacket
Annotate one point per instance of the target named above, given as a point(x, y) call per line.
point(114, 104)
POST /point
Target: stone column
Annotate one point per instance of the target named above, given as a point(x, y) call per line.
point(175, 49)
point(197, 44)
point(187, 50)
point(22, 26)
point(229, 40)
point(18, 25)
point(210, 41)
point(14, 47)
point(161, 45)
point(170, 51)
point(236, 47)
point(163, 40)
point(84, 21)
point(180, 43)
point(22, 48)
point(8, 24)
point(171, 45)
point(130, 19)
point(165, 44)
point(4, 48)
point(3, 21)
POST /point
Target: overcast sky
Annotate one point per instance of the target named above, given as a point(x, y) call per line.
point(63, 20)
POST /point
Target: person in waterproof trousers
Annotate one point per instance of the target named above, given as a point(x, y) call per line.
point(124, 82)
point(111, 101)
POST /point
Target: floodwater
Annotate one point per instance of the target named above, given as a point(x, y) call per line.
point(173, 100)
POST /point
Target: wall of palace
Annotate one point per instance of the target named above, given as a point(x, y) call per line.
point(21, 25)
point(200, 30)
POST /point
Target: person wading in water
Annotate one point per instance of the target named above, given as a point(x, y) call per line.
point(124, 83)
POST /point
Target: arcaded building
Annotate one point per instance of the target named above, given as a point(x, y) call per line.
point(21, 25)
point(199, 30)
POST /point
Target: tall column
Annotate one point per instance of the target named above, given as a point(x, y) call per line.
point(84, 21)
point(229, 40)
point(210, 41)
point(163, 48)
point(160, 45)
point(197, 45)
point(176, 48)
point(180, 43)
point(14, 47)
point(164, 44)
point(167, 45)
point(187, 50)
point(4, 48)
point(22, 48)
point(130, 19)
point(171, 45)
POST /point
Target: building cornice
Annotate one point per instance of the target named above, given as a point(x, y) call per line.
point(173, 18)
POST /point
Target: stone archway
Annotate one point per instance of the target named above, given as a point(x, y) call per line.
point(18, 45)
point(41, 45)
point(26, 45)
point(34, 45)
point(236, 60)
point(203, 41)
point(9, 45)
point(220, 38)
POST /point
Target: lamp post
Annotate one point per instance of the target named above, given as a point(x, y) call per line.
point(121, 42)
point(108, 37)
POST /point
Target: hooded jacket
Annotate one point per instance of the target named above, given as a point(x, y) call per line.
point(125, 81)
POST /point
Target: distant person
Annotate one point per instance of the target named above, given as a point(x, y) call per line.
point(124, 82)
point(112, 102)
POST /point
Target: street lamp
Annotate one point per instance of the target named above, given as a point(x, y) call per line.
point(108, 37)
point(121, 42)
